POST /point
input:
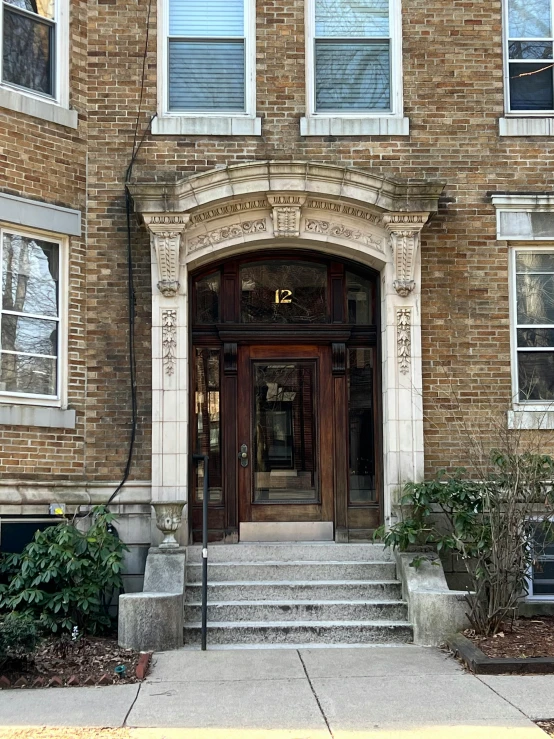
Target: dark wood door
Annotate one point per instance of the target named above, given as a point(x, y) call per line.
point(285, 433)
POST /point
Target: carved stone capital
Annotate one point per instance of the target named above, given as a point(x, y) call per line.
point(286, 209)
point(166, 230)
point(404, 231)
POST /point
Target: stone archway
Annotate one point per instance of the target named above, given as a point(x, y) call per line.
point(367, 218)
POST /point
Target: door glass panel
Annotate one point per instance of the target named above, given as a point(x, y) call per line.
point(208, 429)
point(283, 292)
point(207, 299)
point(359, 292)
point(361, 426)
point(284, 454)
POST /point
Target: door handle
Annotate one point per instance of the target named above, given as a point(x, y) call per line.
point(243, 456)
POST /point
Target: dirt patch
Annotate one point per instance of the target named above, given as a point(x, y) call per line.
point(89, 661)
point(547, 726)
point(527, 637)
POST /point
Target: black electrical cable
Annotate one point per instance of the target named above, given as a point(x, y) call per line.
point(131, 297)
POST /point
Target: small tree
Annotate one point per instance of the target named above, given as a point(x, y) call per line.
point(66, 577)
point(495, 515)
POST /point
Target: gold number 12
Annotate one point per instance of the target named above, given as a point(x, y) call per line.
point(283, 296)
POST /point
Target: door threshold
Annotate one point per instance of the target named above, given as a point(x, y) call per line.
point(301, 531)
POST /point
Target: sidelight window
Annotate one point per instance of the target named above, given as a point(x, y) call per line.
point(30, 316)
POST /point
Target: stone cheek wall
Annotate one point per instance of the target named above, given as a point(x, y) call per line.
point(453, 95)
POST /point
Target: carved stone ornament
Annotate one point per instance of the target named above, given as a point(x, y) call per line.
point(286, 209)
point(404, 237)
point(341, 231)
point(235, 231)
point(169, 515)
point(165, 234)
point(169, 340)
point(404, 339)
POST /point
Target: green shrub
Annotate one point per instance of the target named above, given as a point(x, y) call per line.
point(65, 577)
point(18, 638)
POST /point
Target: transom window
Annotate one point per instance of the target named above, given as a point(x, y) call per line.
point(354, 43)
point(530, 58)
point(30, 315)
point(534, 278)
point(29, 37)
point(208, 56)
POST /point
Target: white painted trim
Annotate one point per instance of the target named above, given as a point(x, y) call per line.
point(52, 219)
point(345, 120)
point(215, 123)
point(32, 415)
point(531, 201)
point(526, 126)
point(354, 126)
point(56, 108)
point(60, 399)
point(206, 126)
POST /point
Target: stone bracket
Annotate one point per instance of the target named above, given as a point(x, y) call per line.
point(404, 231)
point(286, 208)
point(165, 234)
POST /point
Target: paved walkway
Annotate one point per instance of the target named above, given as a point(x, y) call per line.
point(380, 692)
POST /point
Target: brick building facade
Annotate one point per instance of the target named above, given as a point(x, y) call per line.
point(416, 187)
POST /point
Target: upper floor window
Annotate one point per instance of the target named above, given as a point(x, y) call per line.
point(354, 56)
point(30, 316)
point(29, 37)
point(529, 56)
point(209, 57)
point(534, 324)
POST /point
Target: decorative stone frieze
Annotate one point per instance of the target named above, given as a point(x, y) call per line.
point(404, 231)
point(339, 230)
point(169, 340)
point(166, 230)
point(235, 231)
point(286, 208)
point(404, 339)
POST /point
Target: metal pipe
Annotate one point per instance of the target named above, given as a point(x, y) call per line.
point(206, 459)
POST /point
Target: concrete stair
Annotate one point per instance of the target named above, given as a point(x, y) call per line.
point(294, 594)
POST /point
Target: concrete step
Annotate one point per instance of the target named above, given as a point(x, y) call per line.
point(306, 570)
point(301, 632)
point(291, 551)
point(275, 610)
point(298, 590)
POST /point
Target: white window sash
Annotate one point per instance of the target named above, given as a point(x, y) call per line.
point(249, 70)
point(60, 61)
point(506, 56)
point(60, 399)
point(538, 405)
point(395, 41)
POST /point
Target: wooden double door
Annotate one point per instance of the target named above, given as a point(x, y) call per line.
point(285, 396)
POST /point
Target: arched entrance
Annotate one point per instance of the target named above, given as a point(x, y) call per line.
point(285, 379)
point(255, 209)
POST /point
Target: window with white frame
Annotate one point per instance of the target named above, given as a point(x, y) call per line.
point(529, 39)
point(353, 50)
point(30, 315)
point(29, 41)
point(534, 324)
point(209, 56)
point(541, 576)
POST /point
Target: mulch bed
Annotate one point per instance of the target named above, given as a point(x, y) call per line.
point(89, 661)
point(547, 726)
point(528, 637)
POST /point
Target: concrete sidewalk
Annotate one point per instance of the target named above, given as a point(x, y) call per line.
point(379, 692)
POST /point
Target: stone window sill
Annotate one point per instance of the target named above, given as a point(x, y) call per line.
point(32, 415)
point(347, 126)
point(37, 108)
point(526, 126)
point(206, 126)
point(531, 420)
